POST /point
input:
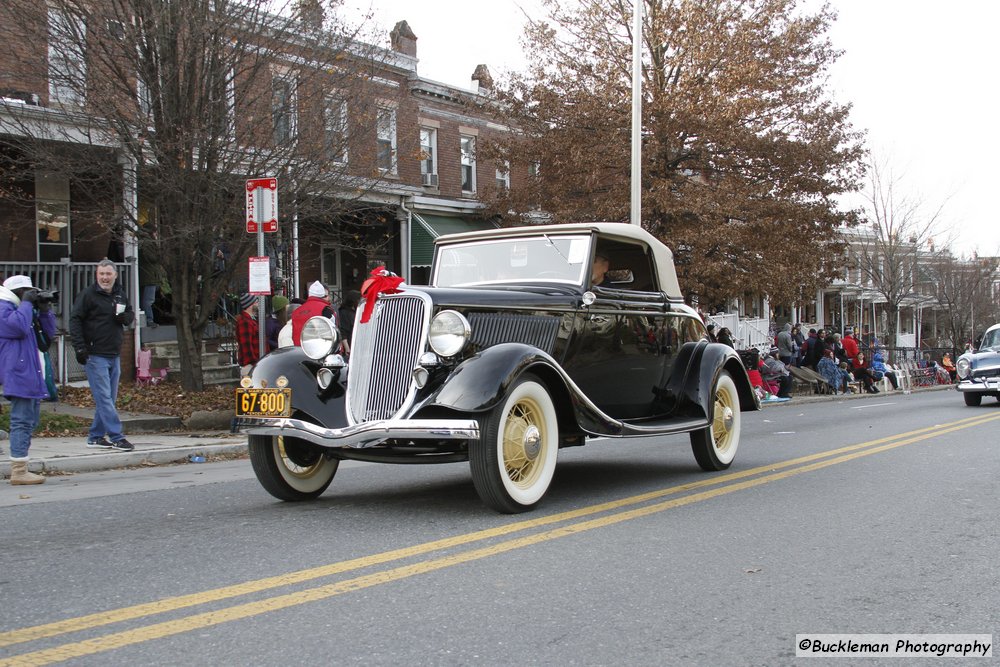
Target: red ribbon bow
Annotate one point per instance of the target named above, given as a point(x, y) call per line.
point(381, 282)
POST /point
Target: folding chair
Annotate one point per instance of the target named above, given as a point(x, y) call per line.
point(143, 376)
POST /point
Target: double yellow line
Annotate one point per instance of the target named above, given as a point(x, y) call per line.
point(613, 512)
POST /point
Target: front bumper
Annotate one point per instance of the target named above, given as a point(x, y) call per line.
point(361, 436)
point(979, 384)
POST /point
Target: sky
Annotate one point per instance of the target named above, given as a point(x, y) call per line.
point(921, 76)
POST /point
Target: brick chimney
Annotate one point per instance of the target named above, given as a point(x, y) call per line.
point(482, 79)
point(403, 40)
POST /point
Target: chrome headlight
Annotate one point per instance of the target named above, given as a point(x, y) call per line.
point(449, 333)
point(319, 336)
point(964, 368)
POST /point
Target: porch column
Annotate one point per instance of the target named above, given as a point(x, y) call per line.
point(405, 218)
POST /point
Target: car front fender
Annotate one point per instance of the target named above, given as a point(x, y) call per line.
point(325, 407)
point(481, 382)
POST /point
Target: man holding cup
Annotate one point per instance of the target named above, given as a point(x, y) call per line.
point(96, 326)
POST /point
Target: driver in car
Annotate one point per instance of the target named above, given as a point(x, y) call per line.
point(599, 276)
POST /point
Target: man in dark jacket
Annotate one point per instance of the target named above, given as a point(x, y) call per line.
point(96, 325)
point(812, 350)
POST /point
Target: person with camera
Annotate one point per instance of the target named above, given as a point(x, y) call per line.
point(26, 327)
point(96, 326)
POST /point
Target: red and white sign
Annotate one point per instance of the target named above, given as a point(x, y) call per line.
point(262, 205)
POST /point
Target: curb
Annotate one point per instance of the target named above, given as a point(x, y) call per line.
point(119, 460)
point(816, 398)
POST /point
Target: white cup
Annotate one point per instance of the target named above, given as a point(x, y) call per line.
point(119, 308)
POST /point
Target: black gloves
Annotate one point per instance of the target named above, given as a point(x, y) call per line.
point(81, 357)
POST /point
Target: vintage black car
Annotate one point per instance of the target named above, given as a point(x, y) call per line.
point(509, 355)
point(979, 370)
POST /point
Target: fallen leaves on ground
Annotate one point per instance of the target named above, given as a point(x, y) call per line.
point(165, 398)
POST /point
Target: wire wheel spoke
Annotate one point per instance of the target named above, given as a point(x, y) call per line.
point(293, 467)
point(518, 463)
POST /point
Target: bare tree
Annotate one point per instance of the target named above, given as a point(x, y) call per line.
point(963, 288)
point(189, 98)
point(745, 152)
point(888, 244)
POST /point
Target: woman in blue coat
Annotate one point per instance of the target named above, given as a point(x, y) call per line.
point(22, 369)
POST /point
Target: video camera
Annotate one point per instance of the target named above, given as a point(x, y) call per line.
point(47, 296)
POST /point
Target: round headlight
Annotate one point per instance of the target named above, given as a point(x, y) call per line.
point(449, 333)
point(964, 368)
point(319, 335)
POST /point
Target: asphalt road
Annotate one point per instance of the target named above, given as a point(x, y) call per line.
point(864, 516)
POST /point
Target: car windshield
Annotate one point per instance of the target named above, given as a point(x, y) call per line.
point(547, 258)
point(991, 339)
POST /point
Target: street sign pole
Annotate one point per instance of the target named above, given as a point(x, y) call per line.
point(262, 216)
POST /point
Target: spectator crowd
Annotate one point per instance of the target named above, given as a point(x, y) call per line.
point(840, 360)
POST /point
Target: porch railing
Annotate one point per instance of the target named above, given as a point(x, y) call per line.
point(69, 278)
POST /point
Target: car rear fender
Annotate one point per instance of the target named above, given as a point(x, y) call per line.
point(702, 363)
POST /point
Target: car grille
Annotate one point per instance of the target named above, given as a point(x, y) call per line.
point(384, 352)
point(490, 329)
point(986, 373)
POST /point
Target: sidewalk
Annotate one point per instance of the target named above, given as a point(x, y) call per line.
point(158, 442)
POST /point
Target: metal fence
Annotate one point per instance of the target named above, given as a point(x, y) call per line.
point(69, 279)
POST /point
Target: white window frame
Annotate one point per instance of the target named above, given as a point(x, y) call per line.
point(144, 100)
point(428, 152)
point(335, 125)
point(289, 77)
point(503, 176)
point(231, 102)
point(385, 133)
point(52, 191)
point(332, 281)
point(467, 148)
point(66, 59)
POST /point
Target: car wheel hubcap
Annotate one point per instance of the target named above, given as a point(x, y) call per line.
point(532, 442)
point(725, 418)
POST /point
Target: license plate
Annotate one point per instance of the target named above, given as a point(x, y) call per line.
point(263, 402)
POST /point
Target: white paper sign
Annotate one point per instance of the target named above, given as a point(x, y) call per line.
point(260, 276)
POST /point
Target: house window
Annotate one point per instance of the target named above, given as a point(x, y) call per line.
point(52, 217)
point(428, 156)
point(386, 139)
point(283, 108)
point(534, 169)
point(144, 100)
point(468, 145)
point(503, 176)
point(335, 129)
point(329, 269)
point(67, 66)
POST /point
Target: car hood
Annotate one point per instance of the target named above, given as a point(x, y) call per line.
point(505, 297)
point(983, 359)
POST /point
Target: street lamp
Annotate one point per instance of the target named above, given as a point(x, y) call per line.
point(636, 212)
